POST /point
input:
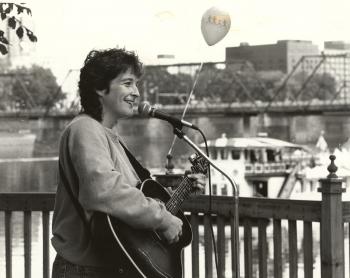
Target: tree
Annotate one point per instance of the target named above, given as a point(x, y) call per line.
point(235, 83)
point(320, 86)
point(34, 88)
point(9, 13)
point(161, 86)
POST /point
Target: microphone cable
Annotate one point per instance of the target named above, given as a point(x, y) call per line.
point(210, 204)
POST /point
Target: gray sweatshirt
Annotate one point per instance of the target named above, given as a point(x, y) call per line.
point(102, 178)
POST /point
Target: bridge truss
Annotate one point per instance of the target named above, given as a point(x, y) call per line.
point(313, 81)
point(314, 84)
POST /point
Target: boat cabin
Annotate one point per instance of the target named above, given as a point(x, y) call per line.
point(260, 165)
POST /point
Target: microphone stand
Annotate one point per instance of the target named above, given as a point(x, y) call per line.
point(179, 133)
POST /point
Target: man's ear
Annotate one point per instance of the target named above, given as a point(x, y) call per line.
point(101, 92)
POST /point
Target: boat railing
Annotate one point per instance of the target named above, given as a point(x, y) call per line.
point(266, 168)
point(277, 236)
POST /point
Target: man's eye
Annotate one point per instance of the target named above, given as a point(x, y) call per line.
point(128, 83)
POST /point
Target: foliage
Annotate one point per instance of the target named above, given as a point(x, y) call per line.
point(9, 13)
point(159, 85)
point(235, 83)
point(32, 88)
point(319, 86)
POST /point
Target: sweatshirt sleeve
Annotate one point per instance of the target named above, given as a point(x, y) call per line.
point(102, 187)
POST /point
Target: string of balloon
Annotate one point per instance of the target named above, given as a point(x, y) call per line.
point(187, 104)
point(215, 24)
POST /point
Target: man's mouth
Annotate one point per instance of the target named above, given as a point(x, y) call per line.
point(130, 102)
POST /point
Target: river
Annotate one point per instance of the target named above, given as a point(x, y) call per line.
point(148, 139)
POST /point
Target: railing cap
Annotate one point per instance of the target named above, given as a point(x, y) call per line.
point(332, 183)
point(332, 168)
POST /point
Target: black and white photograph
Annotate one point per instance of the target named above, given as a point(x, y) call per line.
point(175, 139)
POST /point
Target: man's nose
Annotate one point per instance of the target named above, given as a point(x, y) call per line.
point(136, 92)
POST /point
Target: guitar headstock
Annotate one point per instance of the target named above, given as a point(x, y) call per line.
point(199, 164)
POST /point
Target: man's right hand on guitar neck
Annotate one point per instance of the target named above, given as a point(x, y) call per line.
point(171, 232)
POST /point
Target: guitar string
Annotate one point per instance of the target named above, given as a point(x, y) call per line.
point(176, 196)
point(177, 199)
point(183, 190)
point(177, 192)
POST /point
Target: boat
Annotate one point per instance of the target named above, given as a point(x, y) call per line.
point(261, 166)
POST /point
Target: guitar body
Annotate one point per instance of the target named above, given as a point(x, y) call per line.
point(150, 255)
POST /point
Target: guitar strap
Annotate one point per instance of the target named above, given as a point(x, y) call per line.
point(142, 172)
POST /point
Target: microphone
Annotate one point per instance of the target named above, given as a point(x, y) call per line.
point(147, 110)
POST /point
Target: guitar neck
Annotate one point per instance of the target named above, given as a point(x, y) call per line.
point(181, 193)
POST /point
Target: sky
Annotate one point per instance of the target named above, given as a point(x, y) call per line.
point(68, 29)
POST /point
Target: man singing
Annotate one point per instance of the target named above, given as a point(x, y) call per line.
point(96, 174)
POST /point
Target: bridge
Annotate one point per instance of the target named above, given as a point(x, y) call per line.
point(314, 107)
point(317, 84)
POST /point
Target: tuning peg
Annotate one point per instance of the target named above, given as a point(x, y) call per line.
point(193, 158)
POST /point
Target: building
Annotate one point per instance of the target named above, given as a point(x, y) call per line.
point(281, 56)
point(336, 47)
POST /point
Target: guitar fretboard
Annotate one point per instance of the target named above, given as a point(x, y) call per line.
point(181, 193)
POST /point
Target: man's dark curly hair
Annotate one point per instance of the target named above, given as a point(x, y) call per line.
point(100, 68)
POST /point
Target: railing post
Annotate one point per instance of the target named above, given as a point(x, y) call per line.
point(332, 227)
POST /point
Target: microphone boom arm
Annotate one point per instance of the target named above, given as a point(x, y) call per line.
point(179, 133)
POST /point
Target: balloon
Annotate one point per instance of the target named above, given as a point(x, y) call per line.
point(215, 25)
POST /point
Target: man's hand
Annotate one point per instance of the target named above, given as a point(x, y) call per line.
point(199, 181)
point(173, 231)
point(198, 186)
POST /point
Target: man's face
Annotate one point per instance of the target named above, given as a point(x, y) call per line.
point(119, 102)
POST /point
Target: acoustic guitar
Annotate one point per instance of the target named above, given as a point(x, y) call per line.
point(147, 252)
